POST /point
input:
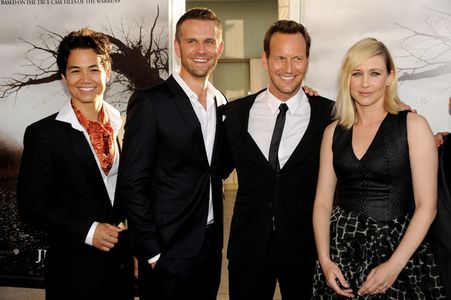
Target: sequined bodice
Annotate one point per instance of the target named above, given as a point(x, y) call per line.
point(379, 185)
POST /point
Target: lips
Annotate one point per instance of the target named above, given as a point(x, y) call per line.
point(200, 60)
point(87, 89)
point(287, 77)
point(365, 94)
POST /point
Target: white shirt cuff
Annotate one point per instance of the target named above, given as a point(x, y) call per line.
point(154, 259)
point(90, 234)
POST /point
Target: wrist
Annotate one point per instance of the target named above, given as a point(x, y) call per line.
point(397, 263)
point(323, 259)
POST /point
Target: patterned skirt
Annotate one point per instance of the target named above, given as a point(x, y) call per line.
point(359, 243)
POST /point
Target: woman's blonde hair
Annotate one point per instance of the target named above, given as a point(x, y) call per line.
point(344, 109)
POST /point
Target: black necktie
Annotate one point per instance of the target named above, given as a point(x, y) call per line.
point(276, 136)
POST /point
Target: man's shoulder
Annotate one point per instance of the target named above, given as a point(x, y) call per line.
point(244, 101)
point(321, 104)
point(321, 101)
point(144, 96)
point(161, 87)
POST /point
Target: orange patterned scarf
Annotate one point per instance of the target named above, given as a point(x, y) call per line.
point(101, 136)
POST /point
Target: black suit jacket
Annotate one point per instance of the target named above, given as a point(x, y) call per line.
point(263, 193)
point(440, 232)
point(164, 174)
point(60, 189)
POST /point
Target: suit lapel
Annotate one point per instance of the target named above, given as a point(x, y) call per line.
point(85, 159)
point(244, 124)
point(186, 110)
point(218, 133)
point(310, 132)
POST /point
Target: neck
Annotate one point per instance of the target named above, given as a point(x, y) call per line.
point(91, 110)
point(282, 96)
point(367, 116)
point(197, 84)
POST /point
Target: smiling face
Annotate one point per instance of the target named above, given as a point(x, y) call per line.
point(85, 77)
point(286, 64)
point(199, 48)
point(369, 81)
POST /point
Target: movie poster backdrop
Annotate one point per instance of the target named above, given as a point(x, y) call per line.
point(417, 33)
point(30, 89)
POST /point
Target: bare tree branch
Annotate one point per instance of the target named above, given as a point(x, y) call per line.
point(429, 50)
point(137, 62)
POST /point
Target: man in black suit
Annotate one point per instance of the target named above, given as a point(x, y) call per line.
point(170, 177)
point(440, 232)
point(274, 137)
point(67, 180)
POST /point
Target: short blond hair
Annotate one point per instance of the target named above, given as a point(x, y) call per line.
point(344, 109)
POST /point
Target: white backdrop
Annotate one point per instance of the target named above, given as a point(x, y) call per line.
point(417, 33)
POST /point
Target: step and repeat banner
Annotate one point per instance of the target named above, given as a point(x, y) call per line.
point(417, 33)
point(30, 89)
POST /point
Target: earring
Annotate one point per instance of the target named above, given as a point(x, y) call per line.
point(388, 83)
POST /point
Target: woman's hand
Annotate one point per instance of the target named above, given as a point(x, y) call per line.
point(335, 279)
point(380, 279)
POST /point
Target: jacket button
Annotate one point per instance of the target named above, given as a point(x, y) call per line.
point(270, 205)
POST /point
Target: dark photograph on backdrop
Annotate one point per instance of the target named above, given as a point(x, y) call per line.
point(31, 89)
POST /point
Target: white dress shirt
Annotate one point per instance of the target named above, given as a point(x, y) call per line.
point(262, 119)
point(207, 120)
point(67, 115)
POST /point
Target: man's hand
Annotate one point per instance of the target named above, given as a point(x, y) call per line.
point(310, 91)
point(135, 267)
point(403, 106)
point(105, 236)
point(439, 137)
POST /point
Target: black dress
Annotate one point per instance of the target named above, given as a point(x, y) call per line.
point(373, 207)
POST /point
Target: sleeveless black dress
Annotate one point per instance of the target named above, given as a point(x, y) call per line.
point(373, 207)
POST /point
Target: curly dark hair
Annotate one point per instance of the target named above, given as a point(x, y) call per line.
point(84, 38)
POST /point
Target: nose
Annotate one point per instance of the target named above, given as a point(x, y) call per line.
point(84, 76)
point(365, 80)
point(200, 48)
point(288, 66)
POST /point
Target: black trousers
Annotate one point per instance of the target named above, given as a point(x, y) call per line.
point(258, 280)
point(85, 273)
point(175, 278)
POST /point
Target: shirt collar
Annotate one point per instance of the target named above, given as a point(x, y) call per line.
point(67, 115)
point(212, 92)
point(294, 103)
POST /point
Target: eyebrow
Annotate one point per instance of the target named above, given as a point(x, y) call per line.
point(374, 69)
point(78, 67)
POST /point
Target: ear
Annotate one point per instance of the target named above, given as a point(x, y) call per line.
point(108, 74)
point(391, 76)
point(177, 48)
point(220, 48)
point(64, 78)
point(265, 61)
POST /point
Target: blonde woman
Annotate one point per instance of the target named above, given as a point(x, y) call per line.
point(376, 195)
